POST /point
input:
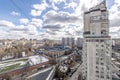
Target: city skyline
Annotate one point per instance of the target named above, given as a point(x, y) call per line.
point(51, 19)
point(60, 40)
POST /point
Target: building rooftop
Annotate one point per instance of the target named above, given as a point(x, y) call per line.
point(42, 75)
point(101, 6)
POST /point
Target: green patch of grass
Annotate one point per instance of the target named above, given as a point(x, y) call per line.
point(16, 60)
point(21, 60)
point(11, 67)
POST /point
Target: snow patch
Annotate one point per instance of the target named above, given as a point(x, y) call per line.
point(37, 59)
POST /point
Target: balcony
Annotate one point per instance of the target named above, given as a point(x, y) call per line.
point(86, 32)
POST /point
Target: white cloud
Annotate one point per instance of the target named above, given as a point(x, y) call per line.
point(117, 2)
point(60, 17)
point(4, 23)
point(84, 5)
point(54, 7)
point(54, 3)
point(36, 12)
point(57, 1)
point(14, 13)
point(31, 27)
point(71, 5)
point(24, 20)
point(28, 30)
point(21, 31)
point(19, 28)
point(113, 9)
point(2, 33)
point(58, 23)
point(115, 32)
point(52, 27)
point(36, 22)
point(39, 8)
point(114, 15)
point(114, 29)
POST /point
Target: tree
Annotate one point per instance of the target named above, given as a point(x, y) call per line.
point(52, 61)
point(1, 54)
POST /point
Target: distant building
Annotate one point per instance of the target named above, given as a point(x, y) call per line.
point(116, 41)
point(55, 51)
point(48, 42)
point(79, 42)
point(96, 44)
point(68, 41)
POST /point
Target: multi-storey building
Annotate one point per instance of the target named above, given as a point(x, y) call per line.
point(96, 44)
point(79, 42)
point(68, 41)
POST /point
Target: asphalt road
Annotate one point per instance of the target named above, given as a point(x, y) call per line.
point(42, 76)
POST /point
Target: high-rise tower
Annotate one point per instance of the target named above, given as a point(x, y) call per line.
point(97, 44)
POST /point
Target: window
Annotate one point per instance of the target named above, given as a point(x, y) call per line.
point(95, 17)
point(101, 40)
point(102, 63)
point(96, 67)
point(96, 54)
point(97, 76)
point(108, 77)
point(103, 15)
point(97, 62)
point(97, 71)
point(102, 76)
point(97, 50)
point(97, 45)
point(102, 45)
point(103, 32)
point(102, 68)
point(108, 67)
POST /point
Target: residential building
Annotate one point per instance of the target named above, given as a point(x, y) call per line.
point(69, 41)
point(96, 44)
point(79, 42)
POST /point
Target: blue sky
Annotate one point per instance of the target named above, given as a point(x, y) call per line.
point(51, 19)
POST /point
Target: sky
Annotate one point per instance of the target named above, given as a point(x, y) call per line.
point(52, 19)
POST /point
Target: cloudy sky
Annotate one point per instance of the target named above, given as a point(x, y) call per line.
point(51, 19)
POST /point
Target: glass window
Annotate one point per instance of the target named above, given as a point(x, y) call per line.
point(97, 76)
point(95, 17)
point(102, 45)
point(102, 63)
point(97, 45)
point(97, 71)
point(103, 15)
point(108, 77)
point(102, 76)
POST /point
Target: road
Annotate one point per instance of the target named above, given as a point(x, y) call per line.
point(42, 76)
point(45, 74)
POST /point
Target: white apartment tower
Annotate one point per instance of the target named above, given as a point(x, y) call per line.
point(96, 44)
point(68, 41)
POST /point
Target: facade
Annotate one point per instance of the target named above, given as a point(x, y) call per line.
point(54, 53)
point(79, 42)
point(68, 41)
point(96, 44)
